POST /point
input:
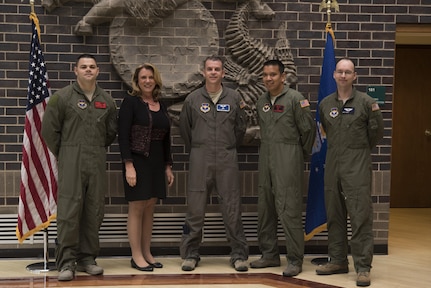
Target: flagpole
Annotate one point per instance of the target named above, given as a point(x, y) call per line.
point(325, 5)
point(44, 266)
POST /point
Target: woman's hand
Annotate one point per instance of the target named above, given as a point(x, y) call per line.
point(169, 175)
point(130, 174)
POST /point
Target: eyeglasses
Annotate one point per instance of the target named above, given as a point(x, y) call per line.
point(347, 72)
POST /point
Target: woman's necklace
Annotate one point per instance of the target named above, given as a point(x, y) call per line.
point(151, 104)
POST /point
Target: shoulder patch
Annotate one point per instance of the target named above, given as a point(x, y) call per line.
point(304, 103)
point(375, 107)
point(241, 104)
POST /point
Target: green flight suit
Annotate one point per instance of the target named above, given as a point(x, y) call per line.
point(352, 130)
point(287, 132)
point(77, 132)
point(212, 133)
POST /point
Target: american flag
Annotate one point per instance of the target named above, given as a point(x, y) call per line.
point(38, 193)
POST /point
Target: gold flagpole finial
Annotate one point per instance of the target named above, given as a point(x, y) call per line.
point(328, 4)
point(34, 18)
point(32, 6)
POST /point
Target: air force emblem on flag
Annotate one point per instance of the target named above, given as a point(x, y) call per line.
point(205, 107)
point(223, 107)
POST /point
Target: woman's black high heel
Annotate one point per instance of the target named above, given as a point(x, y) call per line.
point(155, 264)
point(148, 268)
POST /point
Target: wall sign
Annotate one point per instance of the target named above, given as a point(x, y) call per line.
point(378, 93)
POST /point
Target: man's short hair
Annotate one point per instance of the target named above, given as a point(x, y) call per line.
point(214, 58)
point(275, 62)
point(85, 55)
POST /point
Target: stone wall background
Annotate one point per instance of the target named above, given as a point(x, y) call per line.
point(364, 30)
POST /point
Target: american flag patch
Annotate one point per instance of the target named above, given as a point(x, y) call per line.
point(375, 107)
point(304, 103)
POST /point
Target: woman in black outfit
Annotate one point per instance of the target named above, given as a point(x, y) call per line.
point(144, 139)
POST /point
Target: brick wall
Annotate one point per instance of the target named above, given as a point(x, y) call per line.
point(364, 32)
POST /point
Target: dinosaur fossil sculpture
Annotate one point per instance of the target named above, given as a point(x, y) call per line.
point(245, 61)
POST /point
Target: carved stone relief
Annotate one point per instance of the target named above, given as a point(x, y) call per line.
point(149, 31)
point(245, 61)
point(177, 50)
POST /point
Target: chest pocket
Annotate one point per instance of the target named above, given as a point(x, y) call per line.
point(280, 124)
point(349, 126)
point(354, 127)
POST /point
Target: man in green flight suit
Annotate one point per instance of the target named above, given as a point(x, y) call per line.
point(353, 124)
point(212, 125)
point(287, 135)
point(79, 123)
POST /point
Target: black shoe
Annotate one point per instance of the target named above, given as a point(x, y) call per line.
point(148, 268)
point(155, 264)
